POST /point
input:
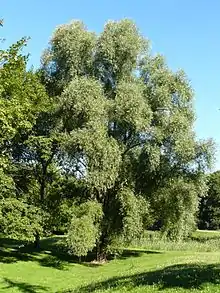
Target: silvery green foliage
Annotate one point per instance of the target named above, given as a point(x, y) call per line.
point(130, 106)
point(86, 116)
point(117, 51)
point(84, 229)
point(178, 220)
point(133, 209)
point(128, 124)
point(70, 53)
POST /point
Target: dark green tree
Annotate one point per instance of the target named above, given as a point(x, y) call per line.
point(209, 210)
point(22, 99)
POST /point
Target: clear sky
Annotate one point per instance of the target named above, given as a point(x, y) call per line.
point(187, 32)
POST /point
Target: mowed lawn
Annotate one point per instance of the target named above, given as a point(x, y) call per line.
point(135, 271)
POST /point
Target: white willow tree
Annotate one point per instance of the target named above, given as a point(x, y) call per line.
point(127, 127)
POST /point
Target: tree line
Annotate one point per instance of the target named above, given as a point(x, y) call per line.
point(98, 143)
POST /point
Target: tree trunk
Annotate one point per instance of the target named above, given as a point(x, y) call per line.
point(37, 241)
point(107, 224)
point(106, 228)
point(101, 254)
point(43, 182)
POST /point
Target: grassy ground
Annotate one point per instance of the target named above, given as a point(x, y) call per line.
point(51, 271)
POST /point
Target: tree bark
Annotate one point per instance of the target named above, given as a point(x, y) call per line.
point(101, 247)
point(43, 182)
point(37, 241)
point(107, 224)
point(101, 255)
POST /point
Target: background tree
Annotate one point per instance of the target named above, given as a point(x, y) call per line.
point(22, 98)
point(209, 211)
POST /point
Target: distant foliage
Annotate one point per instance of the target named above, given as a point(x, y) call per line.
point(209, 212)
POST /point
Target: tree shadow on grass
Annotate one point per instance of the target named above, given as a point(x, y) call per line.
point(12, 243)
point(58, 262)
point(11, 256)
point(50, 254)
point(193, 276)
point(127, 253)
point(53, 253)
point(24, 287)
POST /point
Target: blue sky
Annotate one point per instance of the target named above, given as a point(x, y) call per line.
point(187, 32)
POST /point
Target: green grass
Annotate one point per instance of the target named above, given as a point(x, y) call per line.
point(50, 270)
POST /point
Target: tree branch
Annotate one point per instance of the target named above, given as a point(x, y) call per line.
point(131, 147)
